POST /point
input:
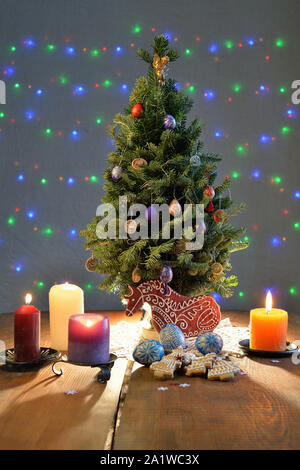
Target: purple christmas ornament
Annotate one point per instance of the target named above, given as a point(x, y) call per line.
point(151, 213)
point(169, 122)
point(166, 275)
point(116, 173)
point(200, 227)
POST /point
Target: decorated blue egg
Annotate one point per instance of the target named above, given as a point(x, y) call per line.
point(147, 352)
point(116, 173)
point(171, 337)
point(169, 122)
point(209, 343)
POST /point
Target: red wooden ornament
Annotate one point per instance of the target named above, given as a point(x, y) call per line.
point(210, 207)
point(137, 110)
point(209, 191)
point(193, 315)
point(219, 215)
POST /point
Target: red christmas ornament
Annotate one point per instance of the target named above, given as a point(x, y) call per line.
point(209, 191)
point(210, 207)
point(193, 315)
point(219, 215)
point(137, 110)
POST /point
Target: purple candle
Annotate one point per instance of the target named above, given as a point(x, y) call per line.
point(88, 339)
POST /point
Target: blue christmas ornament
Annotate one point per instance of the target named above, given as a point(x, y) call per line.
point(116, 173)
point(166, 275)
point(209, 343)
point(148, 351)
point(169, 122)
point(171, 337)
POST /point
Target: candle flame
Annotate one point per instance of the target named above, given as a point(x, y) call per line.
point(269, 302)
point(28, 298)
point(89, 323)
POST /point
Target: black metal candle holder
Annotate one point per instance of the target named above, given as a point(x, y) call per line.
point(105, 369)
point(11, 365)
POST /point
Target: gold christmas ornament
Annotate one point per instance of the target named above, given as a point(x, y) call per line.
point(136, 275)
point(138, 163)
point(193, 271)
point(91, 264)
point(175, 208)
point(159, 64)
point(217, 268)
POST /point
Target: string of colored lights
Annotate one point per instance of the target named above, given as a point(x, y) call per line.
point(217, 50)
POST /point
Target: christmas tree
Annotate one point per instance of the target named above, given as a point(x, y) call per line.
point(158, 159)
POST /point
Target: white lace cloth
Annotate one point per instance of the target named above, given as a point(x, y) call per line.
point(125, 336)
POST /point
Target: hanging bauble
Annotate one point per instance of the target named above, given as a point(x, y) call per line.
point(166, 275)
point(169, 122)
point(137, 110)
point(209, 343)
point(130, 226)
point(209, 191)
point(139, 163)
point(219, 215)
point(210, 207)
point(151, 213)
point(136, 275)
point(175, 208)
point(116, 173)
point(200, 227)
point(91, 264)
point(195, 160)
point(193, 271)
point(217, 269)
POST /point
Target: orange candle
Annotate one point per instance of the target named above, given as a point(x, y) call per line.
point(268, 327)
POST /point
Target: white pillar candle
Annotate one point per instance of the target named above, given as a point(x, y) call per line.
point(64, 300)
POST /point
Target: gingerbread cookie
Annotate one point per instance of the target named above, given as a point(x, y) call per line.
point(180, 355)
point(165, 368)
point(196, 353)
point(221, 372)
point(222, 362)
point(197, 367)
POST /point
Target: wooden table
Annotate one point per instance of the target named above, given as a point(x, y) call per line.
point(260, 410)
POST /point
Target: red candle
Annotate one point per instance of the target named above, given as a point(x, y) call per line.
point(88, 338)
point(27, 332)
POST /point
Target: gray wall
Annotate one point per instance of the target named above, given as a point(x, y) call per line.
point(90, 23)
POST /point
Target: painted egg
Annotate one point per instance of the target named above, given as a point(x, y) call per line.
point(200, 227)
point(116, 173)
point(148, 351)
point(209, 343)
point(171, 337)
point(137, 110)
point(209, 192)
point(151, 213)
point(130, 226)
point(169, 122)
point(195, 160)
point(175, 208)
